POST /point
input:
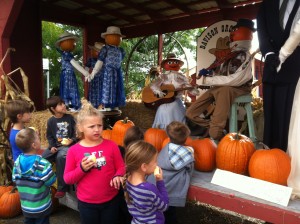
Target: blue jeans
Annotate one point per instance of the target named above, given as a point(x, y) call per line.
point(42, 220)
point(103, 213)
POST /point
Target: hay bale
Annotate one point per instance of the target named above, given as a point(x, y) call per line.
point(140, 115)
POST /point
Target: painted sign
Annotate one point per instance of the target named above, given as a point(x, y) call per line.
point(213, 43)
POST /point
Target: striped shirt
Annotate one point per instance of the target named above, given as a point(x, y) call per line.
point(34, 176)
point(148, 202)
point(179, 155)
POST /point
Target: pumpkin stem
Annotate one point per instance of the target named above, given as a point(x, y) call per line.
point(237, 136)
point(13, 190)
point(264, 145)
point(125, 120)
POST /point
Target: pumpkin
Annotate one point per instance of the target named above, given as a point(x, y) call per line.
point(188, 142)
point(234, 152)
point(55, 201)
point(10, 205)
point(106, 134)
point(67, 45)
point(205, 154)
point(5, 188)
point(113, 39)
point(271, 165)
point(119, 129)
point(155, 136)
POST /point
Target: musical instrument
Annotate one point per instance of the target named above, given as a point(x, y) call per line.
point(153, 101)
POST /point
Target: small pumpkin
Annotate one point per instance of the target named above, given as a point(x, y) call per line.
point(67, 45)
point(205, 154)
point(188, 142)
point(106, 134)
point(271, 165)
point(234, 152)
point(5, 188)
point(10, 205)
point(155, 136)
point(113, 39)
point(119, 129)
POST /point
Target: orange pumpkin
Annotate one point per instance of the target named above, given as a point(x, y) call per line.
point(234, 152)
point(67, 45)
point(205, 154)
point(155, 136)
point(5, 188)
point(106, 134)
point(188, 142)
point(113, 39)
point(271, 165)
point(10, 205)
point(119, 130)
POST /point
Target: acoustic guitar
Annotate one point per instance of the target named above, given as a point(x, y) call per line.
point(152, 101)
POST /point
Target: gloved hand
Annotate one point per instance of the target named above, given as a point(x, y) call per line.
point(87, 78)
point(204, 72)
point(272, 61)
point(159, 93)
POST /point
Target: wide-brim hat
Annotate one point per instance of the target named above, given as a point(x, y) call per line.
point(112, 30)
point(171, 57)
point(245, 23)
point(222, 44)
point(65, 36)
point(97, 46)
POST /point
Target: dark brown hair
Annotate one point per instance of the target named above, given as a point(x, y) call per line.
point(177, 132)
point(132, 134)
point(25, 138)
point(15, 107)
point(53, 101)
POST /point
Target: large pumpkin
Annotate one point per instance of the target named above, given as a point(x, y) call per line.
point(234, 152)
point(205, 154)
point(106, 134)
point(113, 39)
point(5, 188)
point(271, 165)
point(10, 205)
point(119, 129)
point(155, 136)
point(188, 142)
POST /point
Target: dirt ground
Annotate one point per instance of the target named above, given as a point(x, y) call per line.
point(193, 213)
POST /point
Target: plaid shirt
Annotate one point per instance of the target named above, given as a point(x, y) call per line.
point(179, 154)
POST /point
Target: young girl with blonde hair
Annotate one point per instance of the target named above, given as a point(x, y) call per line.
point(96, 167)
point(146, 202)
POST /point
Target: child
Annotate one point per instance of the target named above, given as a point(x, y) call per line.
point(96, 166)
point(177, 163)
point(132, 134)
point(19, 113)
point(33, 176)
point(146, 202)
point(61, 134)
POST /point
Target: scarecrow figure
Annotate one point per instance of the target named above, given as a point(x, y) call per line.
point(108, 65)
point(94, 85)
point(174, 111)
point(68, 89)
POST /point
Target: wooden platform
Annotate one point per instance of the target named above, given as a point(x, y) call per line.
point(204, 191)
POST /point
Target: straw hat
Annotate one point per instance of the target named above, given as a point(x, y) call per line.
point(222, 44)
point(65, 36)
point(97, 46)
point(112, 30)
point(171, 57)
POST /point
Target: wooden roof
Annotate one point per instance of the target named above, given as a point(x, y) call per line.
point(146, 17)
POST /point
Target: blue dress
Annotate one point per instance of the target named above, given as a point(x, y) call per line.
point(111, 89)
point(68, 88)
point(94, 85)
